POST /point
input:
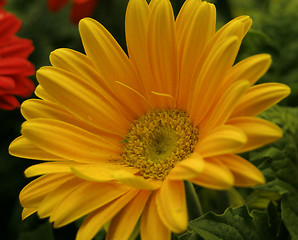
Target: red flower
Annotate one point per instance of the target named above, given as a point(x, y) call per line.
point(80, 8)
point(14, 66)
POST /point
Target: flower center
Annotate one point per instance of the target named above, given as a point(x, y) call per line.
point(158, 140)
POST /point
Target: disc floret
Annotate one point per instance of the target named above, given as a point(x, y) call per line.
point(158, 140)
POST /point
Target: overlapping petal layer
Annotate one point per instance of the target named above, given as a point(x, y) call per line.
point(152, 226)
point(244, 173)
point(162, 49)
point(187, 168)
point(34, 192)
point(78, 204)
point(171, 205)
point(95, 220)
point(124, 222)
point(215, 175)
point(78, 145)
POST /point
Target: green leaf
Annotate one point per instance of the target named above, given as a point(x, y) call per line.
point(289, 213)
point(234, 224)
point(43, 231)
point(189, 235)
point(279, 164)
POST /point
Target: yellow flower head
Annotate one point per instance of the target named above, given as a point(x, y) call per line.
point(121, 133)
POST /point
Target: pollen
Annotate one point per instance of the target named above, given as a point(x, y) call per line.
point(158, 140)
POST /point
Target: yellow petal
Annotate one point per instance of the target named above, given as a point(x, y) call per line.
point(224, 107)
point(124, 222)
point(36, 108)
point(151, 225)
point(110, 60)
point(95, 220)
point(136, 25)
point(82, 99)
point(216, 64)
point(235, 28)
point(55, 197)
point(171, 205)
point(152, 3)
point(100, 172)
point(187, 33)
point(191, 46)
point(250, 69)
point(128, 178)
point(22, 147)
point(247, 22)
point(28, 212)
point(231, 28)
point(85, 199)
point(215, 175)
point(188, 168)
point(185, 14)
point(260, 97)
point(34, 192)
point(78, 64)
point(49, 167)
point(82, 66)
point(245, 173)
point(41, 93)
point(112, 63)
point(162, 48)
point(68, 141)
point(258, 131)
point(223, 139)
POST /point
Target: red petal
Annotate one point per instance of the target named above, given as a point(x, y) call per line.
point(2, 3)
point(9, 24)
point(8, 102)
point(81, 9)
point(30, 70)
point(23, 86)
point(55, 5)
point(15, 65)
point(16, 47)
point(6, 83)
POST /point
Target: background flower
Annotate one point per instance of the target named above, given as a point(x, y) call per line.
point(79, 10)
point(14, 66)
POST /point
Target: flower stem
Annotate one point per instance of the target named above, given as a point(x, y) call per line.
point(193, 203)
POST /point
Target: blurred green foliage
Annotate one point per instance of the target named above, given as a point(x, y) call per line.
point(274, 31)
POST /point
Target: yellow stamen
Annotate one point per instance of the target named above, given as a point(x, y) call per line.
point(158, 140)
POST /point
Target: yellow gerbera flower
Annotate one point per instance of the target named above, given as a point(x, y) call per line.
point(121, 134)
